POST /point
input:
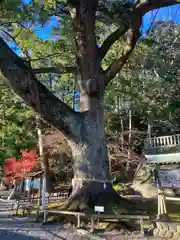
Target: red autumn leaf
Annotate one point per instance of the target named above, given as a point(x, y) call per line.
point(20, 168)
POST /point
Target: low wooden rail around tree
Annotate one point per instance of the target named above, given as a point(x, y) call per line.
point(57, 194)
point(93, 217)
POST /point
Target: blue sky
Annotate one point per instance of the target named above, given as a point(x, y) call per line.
point(164, 14)
point(168, 13)
point(45, 31)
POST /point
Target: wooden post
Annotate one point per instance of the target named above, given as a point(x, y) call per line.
point(40, 141)
point(129, 140)
point(92, 225)
point(162, 210)
point(44, 194)
point(33, 188)
point(43, 206)
point(110, 165)
point(141, 226)
point(159, 204)
point(122, 134)
point(40, 191)
point(164, 204)
point(159, 194)
point(149, 130)
point(78, 221)
point(30, 188)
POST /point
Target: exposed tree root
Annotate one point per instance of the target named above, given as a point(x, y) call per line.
point(120, 225)
point(96, 194)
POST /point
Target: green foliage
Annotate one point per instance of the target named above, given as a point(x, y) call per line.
point(17, 124)
point(150, 80)
point(116, 187)
point(18, 25)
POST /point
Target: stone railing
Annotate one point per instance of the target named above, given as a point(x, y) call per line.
point(160, 145)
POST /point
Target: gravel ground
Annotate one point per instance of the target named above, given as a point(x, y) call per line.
point(27, 231)
point(125, 236)
point(13, 230)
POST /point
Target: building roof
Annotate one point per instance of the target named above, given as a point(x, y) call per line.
point(162, 158)
point(35, 174)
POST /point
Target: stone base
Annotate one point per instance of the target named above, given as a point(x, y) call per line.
point(167, 230)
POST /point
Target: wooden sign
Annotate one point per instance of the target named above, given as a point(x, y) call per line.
point(169, 178)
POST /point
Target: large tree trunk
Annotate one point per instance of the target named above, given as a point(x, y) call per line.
point(92, 178)
point(90, 153)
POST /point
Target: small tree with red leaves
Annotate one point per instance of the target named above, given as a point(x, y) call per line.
point(28, 162)
point(20, 168)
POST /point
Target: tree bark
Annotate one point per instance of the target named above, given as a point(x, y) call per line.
point(90, 154)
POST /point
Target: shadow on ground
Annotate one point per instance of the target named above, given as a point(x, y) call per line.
point(8, 235)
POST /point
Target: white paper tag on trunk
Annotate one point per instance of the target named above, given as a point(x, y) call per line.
point(99, 208)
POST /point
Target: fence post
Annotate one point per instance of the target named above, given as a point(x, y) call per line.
point(43, 207)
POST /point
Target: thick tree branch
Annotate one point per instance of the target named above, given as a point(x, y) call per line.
point(132, 34)
point(83, 14)
point(55, 70)
point(116, 66)
point(141, 8)
point(45, 57)
point(35, 94)
point(109, 41)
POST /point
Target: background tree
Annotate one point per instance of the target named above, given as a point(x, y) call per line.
point(162, 64)
point(17, 124)
point(20, 168)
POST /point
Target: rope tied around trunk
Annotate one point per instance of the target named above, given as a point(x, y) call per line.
point(90, 180)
